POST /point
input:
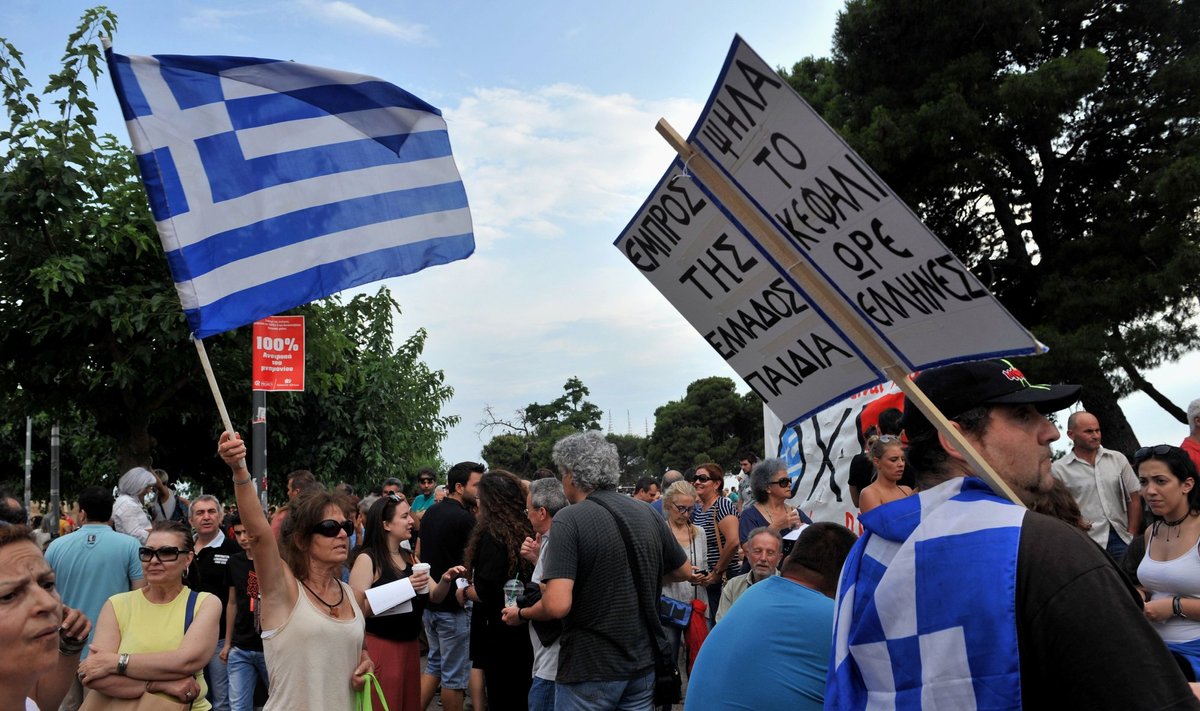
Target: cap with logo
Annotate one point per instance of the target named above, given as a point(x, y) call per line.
point(964, 386)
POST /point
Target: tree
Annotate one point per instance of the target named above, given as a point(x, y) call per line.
point(527, 439)
point(1053, 147)
point(95, 339)
point(712, 423)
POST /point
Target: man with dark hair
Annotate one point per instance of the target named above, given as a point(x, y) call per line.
point(783, 623)
point(243, 649)
point(93, 564)
point(12, 511)
point(605, 658)
point(426, 483)
point(444, 533)
point(298, 482)
point(646, 489)
point(958, 598)
point(392, 485)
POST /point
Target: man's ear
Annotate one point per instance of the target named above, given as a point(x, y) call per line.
point(948, 445)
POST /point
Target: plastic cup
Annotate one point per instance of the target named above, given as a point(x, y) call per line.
point(421, 568)
point(512, 589)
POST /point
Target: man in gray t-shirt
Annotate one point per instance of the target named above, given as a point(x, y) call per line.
point(605, 657)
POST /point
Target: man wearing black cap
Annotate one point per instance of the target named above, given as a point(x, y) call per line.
point(957, 598)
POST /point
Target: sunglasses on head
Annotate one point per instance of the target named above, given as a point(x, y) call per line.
point(329, 528)
point(166, 554)
point(398, 498)
point(1156, 451)
point(889, 438)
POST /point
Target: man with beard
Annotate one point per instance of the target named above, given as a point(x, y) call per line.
point(762, 549)
point(958, 598)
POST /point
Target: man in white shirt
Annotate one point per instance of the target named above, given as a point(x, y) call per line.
point(1102, 483)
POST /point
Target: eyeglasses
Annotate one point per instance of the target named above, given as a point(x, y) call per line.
point(683, 509)
point(329, 528)
point(1156, 451)
point(166, 554)
point(785, 483)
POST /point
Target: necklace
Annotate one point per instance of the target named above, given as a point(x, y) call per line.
point(332, 608)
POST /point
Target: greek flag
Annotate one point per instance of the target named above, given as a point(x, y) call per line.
point(274, 184)
point(926, 609)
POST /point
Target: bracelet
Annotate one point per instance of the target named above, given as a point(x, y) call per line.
point(122, 663)
point(519, 615)
point(1177, 607)
point(247, 480)
point(70, 647)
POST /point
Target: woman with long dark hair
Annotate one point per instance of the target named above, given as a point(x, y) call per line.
point(391, 639)
point(494, 557)
point(1170, 570)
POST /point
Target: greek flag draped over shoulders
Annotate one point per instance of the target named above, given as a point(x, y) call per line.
point(926, 608)
point(274, 183)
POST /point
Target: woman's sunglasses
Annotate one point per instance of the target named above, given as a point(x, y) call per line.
point(329, 528)
point(1157, 451)
point(785, 482)
point(166, 554)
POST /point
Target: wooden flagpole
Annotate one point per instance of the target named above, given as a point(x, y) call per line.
point(828, 300)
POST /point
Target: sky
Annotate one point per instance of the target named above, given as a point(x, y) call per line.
point(551, 108)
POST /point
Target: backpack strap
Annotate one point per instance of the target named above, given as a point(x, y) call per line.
point(190, 613)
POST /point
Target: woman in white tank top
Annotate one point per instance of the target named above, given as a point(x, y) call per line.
point(312, 628)
point(1170, 570)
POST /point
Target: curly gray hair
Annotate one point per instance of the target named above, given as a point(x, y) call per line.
point(762, 475)
point(591, 459)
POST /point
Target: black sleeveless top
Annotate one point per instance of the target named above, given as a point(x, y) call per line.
point(405, 626)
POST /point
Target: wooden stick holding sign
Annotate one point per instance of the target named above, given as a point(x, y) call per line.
point(826, 298)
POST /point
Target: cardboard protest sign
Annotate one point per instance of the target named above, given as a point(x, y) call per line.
point(837, 213)
point(743, 305)
point(878, 285)
point(278, 354)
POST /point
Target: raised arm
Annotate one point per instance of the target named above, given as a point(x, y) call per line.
point(276, 584)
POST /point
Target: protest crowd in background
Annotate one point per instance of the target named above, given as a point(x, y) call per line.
point(563, 592)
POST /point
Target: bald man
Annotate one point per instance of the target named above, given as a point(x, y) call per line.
point(1102, 483)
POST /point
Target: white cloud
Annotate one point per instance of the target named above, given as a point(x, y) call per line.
point(346, 13)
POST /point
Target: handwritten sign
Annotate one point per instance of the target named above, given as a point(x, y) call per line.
point(836, 212)
point(743, 305)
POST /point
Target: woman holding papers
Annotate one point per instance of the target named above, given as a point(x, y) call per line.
point(312, 627)
point(1170, 570)
point(391, 635)
point(888, 457)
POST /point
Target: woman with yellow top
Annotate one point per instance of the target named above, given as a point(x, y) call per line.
point(140, 645)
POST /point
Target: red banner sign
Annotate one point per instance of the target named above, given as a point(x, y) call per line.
point(279, 353)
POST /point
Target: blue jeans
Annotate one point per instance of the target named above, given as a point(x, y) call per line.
point(541, 695)
point(1116, 547)
point(217, 676)
point(449, 659)
point(635, 694)
point(245, 667)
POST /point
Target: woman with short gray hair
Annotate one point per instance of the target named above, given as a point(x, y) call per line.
point(772, 487)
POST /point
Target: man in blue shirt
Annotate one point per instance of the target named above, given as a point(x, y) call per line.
point(785, 624)
point(93, 564)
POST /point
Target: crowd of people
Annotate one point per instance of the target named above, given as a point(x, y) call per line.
point(561, 592)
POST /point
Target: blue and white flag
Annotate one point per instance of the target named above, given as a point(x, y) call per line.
point(274, 184)
point(926, 607)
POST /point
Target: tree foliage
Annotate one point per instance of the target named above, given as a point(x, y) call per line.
point(526, 440)
point(95, 339)
point(712, 423)
point(1053, 146)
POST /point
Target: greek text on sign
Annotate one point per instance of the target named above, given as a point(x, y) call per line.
point(836, 212)
point(744, 306)
point(279, 353)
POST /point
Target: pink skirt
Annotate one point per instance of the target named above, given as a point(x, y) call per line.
point(398, 668)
